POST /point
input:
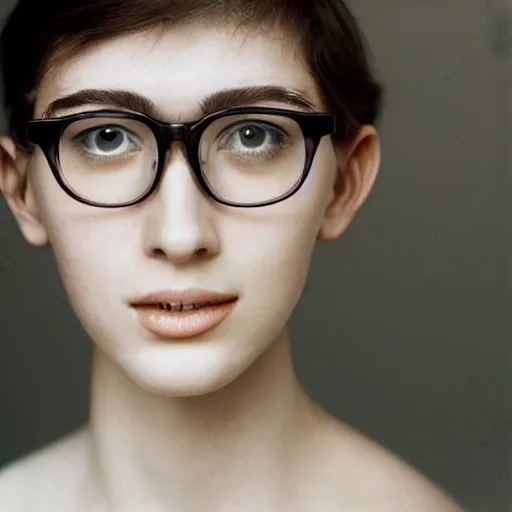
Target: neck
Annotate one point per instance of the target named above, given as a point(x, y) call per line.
point(238, 443)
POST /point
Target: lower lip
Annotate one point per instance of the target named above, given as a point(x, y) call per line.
point(180, 325)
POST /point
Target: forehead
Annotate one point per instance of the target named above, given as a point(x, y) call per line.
point(182, 67)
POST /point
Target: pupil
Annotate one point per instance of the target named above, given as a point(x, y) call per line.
point(253, 136)
point(106, 137)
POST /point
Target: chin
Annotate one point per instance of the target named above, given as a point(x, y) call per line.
point(184, 370)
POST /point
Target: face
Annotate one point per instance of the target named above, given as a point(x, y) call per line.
point(179, 238)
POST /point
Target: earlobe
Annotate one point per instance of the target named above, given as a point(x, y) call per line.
point(14, 187)
point(357, 171)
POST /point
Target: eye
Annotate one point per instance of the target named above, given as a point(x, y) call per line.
point(252, 138)
point(106, 141)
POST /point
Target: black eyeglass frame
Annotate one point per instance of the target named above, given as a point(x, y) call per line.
point(46, 133)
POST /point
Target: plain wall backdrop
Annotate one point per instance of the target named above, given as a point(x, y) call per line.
point(402, 330)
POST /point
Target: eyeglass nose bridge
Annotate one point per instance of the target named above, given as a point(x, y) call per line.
point(178, 132)
point(174, 132)
point(183, 134)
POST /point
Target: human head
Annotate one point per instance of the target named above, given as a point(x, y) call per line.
point(79, 44)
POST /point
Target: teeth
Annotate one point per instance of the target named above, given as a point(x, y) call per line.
point(178, 306)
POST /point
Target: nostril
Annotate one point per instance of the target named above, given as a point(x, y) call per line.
point(203, 252)
point(159, 253)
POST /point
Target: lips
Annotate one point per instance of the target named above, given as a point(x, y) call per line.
point(177, 300)
point(181, 314)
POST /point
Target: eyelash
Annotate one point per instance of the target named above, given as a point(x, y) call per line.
point(228, 132)
point(103, 158)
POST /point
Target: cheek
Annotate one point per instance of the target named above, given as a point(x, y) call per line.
point(276, 280)
point(280, 254)
point(93, 262)
point(91, 247)
point(273, 250)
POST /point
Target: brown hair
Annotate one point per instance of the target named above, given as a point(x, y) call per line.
point(39, 35)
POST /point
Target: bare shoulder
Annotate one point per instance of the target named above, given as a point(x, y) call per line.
point(366, 477)
point(391, 485)
point(48, 477)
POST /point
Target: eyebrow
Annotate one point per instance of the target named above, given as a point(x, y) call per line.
point(215, 102)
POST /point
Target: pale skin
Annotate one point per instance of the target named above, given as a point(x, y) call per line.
point(222, 424)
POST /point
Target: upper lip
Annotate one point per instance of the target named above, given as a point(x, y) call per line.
point(184, 297)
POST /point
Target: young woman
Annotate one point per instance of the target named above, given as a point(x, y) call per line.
point(182, 158)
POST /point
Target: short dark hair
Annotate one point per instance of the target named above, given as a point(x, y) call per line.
point(38, 35)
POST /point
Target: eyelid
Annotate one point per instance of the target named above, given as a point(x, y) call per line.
point(232, 127)
point(92, 129)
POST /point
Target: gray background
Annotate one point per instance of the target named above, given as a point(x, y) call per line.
point(403, 328)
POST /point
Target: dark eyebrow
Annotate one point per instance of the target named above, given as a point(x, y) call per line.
point(215, 102)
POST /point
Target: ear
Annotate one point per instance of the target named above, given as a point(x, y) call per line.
point(18, 193)
point(357, 169)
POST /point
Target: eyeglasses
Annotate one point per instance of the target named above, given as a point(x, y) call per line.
point(245, 157)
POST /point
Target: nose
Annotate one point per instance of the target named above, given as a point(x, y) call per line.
point(180, 224)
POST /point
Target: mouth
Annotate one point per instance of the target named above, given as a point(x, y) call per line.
point(178, 315)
